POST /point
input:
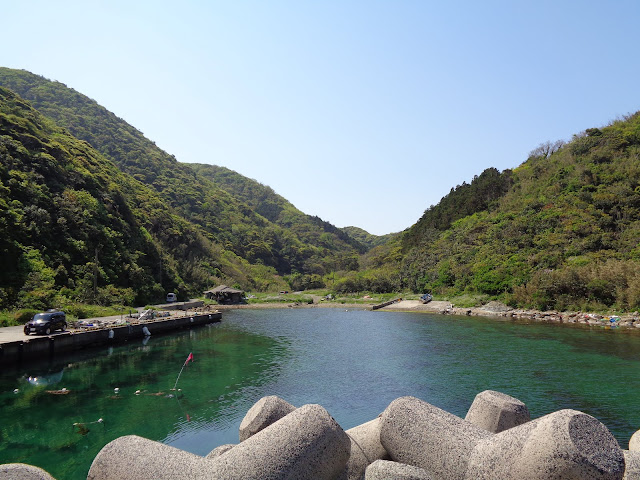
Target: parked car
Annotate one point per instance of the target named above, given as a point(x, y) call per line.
point(46, 322)
point(426, 298)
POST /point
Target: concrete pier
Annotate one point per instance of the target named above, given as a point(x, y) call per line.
point(47, 346)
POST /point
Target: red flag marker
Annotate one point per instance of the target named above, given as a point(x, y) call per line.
point(189, 358)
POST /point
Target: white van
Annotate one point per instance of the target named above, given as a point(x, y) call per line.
point(171, 297)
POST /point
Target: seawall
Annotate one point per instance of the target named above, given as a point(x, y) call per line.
point(37, 347)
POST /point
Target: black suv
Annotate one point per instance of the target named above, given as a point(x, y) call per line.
point(46, 322)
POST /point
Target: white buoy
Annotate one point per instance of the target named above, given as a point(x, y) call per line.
point(15, 390)
point(138, 392)
point(116, 390)
point(146, 331)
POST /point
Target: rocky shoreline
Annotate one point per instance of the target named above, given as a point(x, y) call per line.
point(496, 309)
point(491, 309)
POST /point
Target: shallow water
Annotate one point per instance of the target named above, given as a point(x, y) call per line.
point(354, 363)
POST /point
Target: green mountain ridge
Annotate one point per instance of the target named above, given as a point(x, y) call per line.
point(311, 247)
point(561, 231)
point(75, 228)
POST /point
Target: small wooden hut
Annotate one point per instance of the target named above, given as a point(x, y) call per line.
point(225, 295)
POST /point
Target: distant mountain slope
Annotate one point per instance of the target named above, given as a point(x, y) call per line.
point(263, 200)
point(565, 235)
point(366, 238)
point(309, 247)
point(73, 227)
point(481, 194)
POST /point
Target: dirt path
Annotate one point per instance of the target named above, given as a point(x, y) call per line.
point(417, 305)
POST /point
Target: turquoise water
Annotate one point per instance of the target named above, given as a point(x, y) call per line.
point(354, 363)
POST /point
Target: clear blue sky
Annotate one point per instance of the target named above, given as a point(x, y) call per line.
point(364, 113)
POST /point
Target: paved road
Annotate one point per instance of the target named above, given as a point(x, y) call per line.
point(12, 334)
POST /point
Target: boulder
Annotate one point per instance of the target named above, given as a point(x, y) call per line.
point(264, 412)
point(22, 471)
point(365, 448)
point(495, 411)
point(385, 470)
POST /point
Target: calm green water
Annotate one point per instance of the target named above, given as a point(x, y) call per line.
point(354, 363)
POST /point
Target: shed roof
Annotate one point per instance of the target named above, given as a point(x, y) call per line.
point(224, 289)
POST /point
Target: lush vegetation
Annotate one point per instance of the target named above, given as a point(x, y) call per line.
point(74, 228)
point(93, 212)
point(559, 232)
point(237, 214)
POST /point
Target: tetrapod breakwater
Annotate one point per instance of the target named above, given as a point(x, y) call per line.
point(410, 440)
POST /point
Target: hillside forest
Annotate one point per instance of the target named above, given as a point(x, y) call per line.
point(92, 212)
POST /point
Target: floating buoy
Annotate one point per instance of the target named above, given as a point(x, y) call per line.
point(138, 392)
point(111, 333)
point(15, 390)
point(116, 390)
point(146, 331)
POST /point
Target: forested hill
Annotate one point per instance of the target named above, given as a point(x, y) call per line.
point(307, 246)
point(272, 206)
point(74, 228)
point(366, 238)
point(560, 231)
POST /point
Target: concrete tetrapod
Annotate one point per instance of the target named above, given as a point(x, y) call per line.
point(496, 412)
point(385, 470)
point(216, 452)
point(634, 442)
point(22, 471)
point(566, 444)
point(263, 413)
point(306, 444)
point(365, 448)
point(632, 465)
point(417, 433)
point(563, 445)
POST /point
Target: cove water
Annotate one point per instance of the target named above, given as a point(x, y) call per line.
point(352, 362)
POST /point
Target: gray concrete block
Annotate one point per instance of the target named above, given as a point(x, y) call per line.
point(137, 458)
point(22, 471)
point(563, 445)
point(263, 413)
point(365, 449)
point(216, 452)
point(387, 470)
point(634, 442)
point(419, 434)
point(632, 465)
point(306, 444)
point(496, 412)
